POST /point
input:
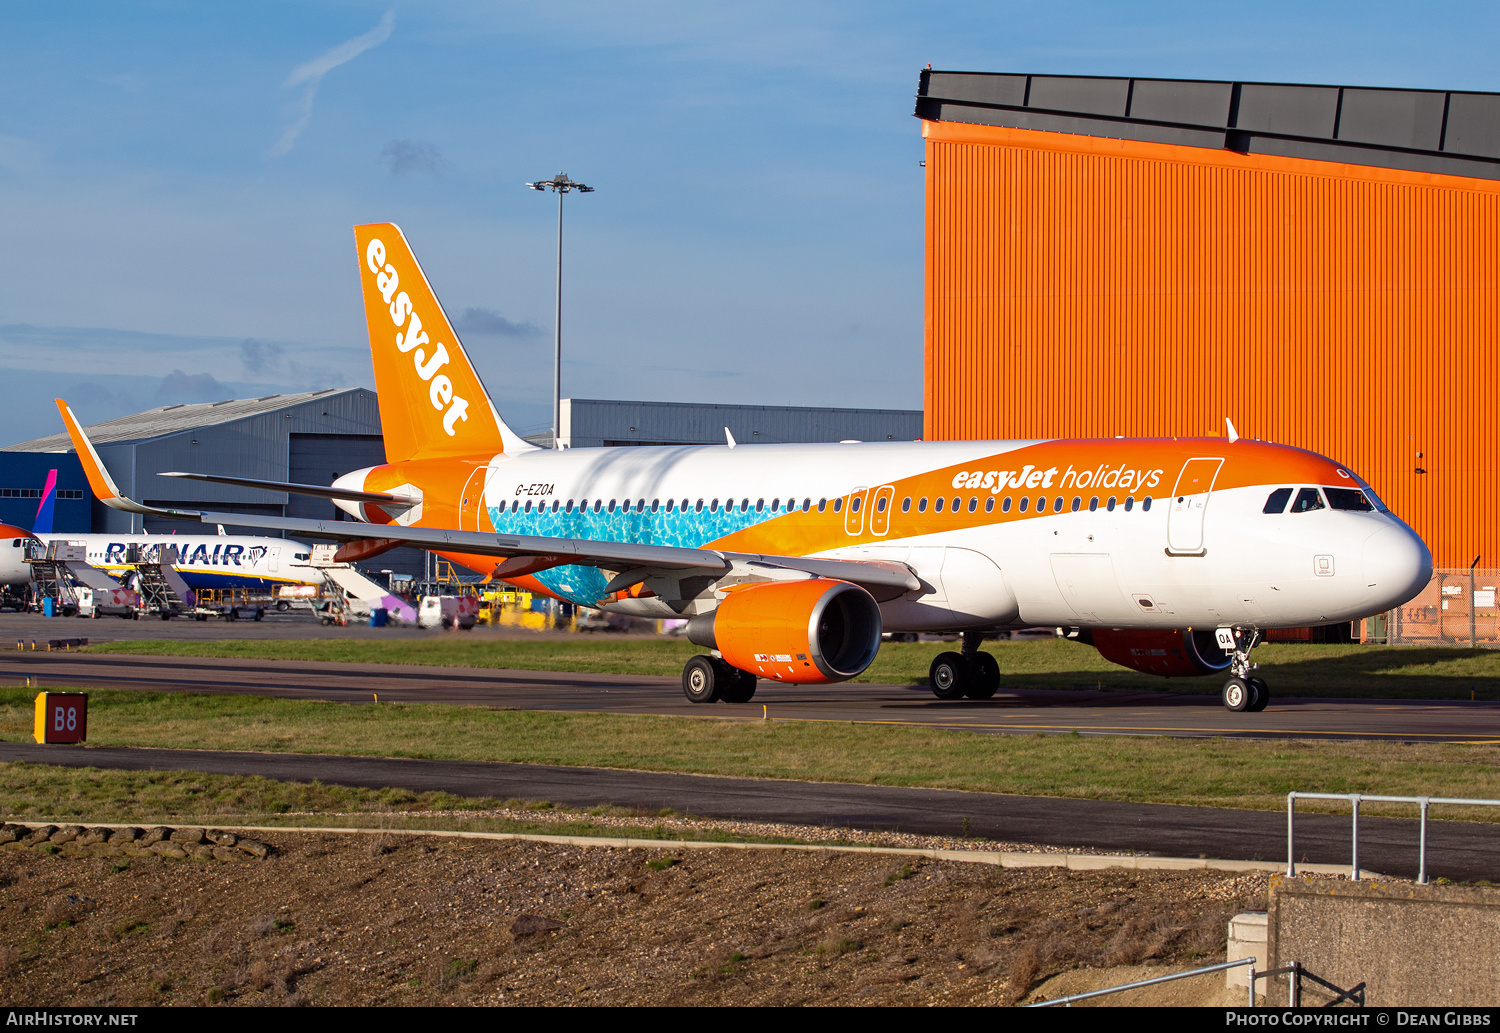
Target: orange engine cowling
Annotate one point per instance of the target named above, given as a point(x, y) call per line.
point(815, 630)
point(1171, 654)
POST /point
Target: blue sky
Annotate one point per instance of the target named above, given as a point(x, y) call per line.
point(178, 180)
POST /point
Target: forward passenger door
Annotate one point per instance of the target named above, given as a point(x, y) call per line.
point(1189, 504)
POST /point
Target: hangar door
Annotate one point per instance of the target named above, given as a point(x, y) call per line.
point(320, 459)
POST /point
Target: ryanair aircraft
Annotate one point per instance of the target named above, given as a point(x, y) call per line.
point(1170, 555)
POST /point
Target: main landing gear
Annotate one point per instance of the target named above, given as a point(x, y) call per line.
point(708, 679)
point(1243, 691)
point(969, 674)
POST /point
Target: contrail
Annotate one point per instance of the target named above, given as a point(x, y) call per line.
point(309, 75)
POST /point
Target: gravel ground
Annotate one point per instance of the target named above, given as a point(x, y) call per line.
point(405, 920)
point(698, 828)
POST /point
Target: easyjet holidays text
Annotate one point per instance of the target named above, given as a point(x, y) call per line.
point(1118, 478)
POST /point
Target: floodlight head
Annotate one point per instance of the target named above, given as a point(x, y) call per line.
point(561, 184)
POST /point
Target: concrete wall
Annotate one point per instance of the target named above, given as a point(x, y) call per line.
point(1410, 945)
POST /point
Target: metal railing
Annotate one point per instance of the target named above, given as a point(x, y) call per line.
point(1354, 995)
point(1424, 802)
point(1250, 962)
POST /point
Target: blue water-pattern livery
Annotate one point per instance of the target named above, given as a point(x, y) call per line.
point(686, 528)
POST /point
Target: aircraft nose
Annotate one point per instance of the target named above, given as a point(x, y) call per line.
point(1397, 566)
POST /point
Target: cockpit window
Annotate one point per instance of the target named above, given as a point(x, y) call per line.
point(1277, 501)
point(1307, 500)
point(1374, 498)
point(1348, 499)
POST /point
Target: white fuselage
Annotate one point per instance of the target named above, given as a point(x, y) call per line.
point(1133, 544)
point(204, 561)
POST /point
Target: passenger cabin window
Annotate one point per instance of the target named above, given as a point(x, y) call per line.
point(1025, 501)
point(1093, 503)
point(1110, 505)
point(937, 505)
point(1077, 503)
point(1348, 499)
point(1307, 500)
point(1129, 503)
point(1057, 504)
point(922, 504)
point(880, 504)
point(1005, 506)
point(1277, 500)
point(838, 505)
point(905, 505)
point(1146, 504)
point(989, 504)
point(1041, 503)
point(973, 503)
point(655, 505)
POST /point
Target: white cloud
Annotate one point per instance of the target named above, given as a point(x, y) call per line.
point(310, 75)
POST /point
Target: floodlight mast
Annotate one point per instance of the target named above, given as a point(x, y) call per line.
point(559, 184)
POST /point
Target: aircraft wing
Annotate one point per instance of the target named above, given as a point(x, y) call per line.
point(634, 561)
point(553, 552)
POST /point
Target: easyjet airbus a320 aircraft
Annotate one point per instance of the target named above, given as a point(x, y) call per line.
point(1171, 555)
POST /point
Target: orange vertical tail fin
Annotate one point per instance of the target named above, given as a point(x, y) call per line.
point(432, 402)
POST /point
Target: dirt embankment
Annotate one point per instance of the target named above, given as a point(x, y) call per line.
point(397, 919)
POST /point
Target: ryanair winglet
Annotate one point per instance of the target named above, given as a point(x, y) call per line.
point(431, 400)
point(99, 479)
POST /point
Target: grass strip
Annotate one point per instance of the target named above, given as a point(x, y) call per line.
point(1344, 671)
point(1213, 772)
point(31, 792)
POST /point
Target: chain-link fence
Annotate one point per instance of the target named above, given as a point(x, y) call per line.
point(1457, 608)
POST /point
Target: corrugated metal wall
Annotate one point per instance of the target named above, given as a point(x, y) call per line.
point(1079, 286)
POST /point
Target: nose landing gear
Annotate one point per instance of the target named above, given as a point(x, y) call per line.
point(1243, 691)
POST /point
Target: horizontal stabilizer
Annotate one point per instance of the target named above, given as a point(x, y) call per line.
point(291, 488)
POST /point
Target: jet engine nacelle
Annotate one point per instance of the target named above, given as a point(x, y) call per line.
point(815, 630)
point(1171, 654)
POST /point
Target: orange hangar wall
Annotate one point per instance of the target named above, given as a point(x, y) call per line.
point(1148, 257)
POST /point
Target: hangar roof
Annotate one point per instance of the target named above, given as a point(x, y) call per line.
point(171, 419)
point(1454, 133)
